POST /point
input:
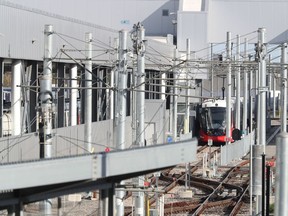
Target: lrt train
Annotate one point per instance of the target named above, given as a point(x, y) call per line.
point(212, 121)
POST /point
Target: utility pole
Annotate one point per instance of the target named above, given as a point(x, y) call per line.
point(106, 202)
point(259, 149)
point(269, 86)
point(139, 49)
point(212, 72)
point(262, 85)
point(251, 96)
point(187, 104)
point(46, 108)
point(274, 95)
point(120, 110)
point(187, 99)
point(114, 78)
point(284, 88)
point(245, 102)
point(88, 92)
point(228, 87)
point(238, 81)
point(175, 97)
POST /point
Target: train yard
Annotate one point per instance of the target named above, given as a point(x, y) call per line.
point(223, 190)
point(199, 188)
point(222, 194)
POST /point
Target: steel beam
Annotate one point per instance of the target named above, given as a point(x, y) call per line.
point(95, 166)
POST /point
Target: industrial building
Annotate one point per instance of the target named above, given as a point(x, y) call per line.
point(184, 46)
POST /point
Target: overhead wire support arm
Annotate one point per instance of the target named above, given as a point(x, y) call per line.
point(159, 74)
point(171, 94)
point(83, 66)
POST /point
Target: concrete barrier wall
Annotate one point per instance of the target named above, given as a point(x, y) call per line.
point(66, 141)
point(236, 150)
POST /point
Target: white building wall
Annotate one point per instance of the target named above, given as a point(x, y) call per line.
point(21, 35)
point(192, 25)
point(116, 14)
point(210, 24)
point(243, 17)
point(237, 16)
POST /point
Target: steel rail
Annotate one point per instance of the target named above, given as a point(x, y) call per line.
point(202, 206)
point(239, 203)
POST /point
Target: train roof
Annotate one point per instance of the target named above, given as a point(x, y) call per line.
point(217, 102)
point(214, 103)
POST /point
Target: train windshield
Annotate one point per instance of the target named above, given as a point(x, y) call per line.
point(213, 118)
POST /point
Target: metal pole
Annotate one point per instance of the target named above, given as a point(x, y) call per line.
point(59, 206)
point(261, 121)
point(133, 104)
point(187, 101)
point(73, 95)
point(88, 92)
point(212, 73)
point(262, 85)
point(281, 208)
point(116, 81)
point(284, 88)
point(175, 97)
point(251, 99)
point(274, 95)
point(46, 100)
point(140, 104)
point(251, 138)
point(140, 95)
point(187, 104)
point(228, 87)
point(120, 116)
point(257, 99)
point(113, 81)
point(269, 86)
point(245, 102)
point(238, 80)
point(46, 95)
point(251, 174)
point(268, 189)
point(263, 183)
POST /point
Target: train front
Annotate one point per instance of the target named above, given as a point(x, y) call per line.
point(213, 121)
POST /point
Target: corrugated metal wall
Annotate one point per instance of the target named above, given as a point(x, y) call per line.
point(21, 35)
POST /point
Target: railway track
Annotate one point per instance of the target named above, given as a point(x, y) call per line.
point(238, 178)
point(172, 182)
point(214, 194)
point(214, 199)
point(225, 195)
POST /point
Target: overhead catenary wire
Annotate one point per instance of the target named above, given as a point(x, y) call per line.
point(160, 65)
point(61, 35)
